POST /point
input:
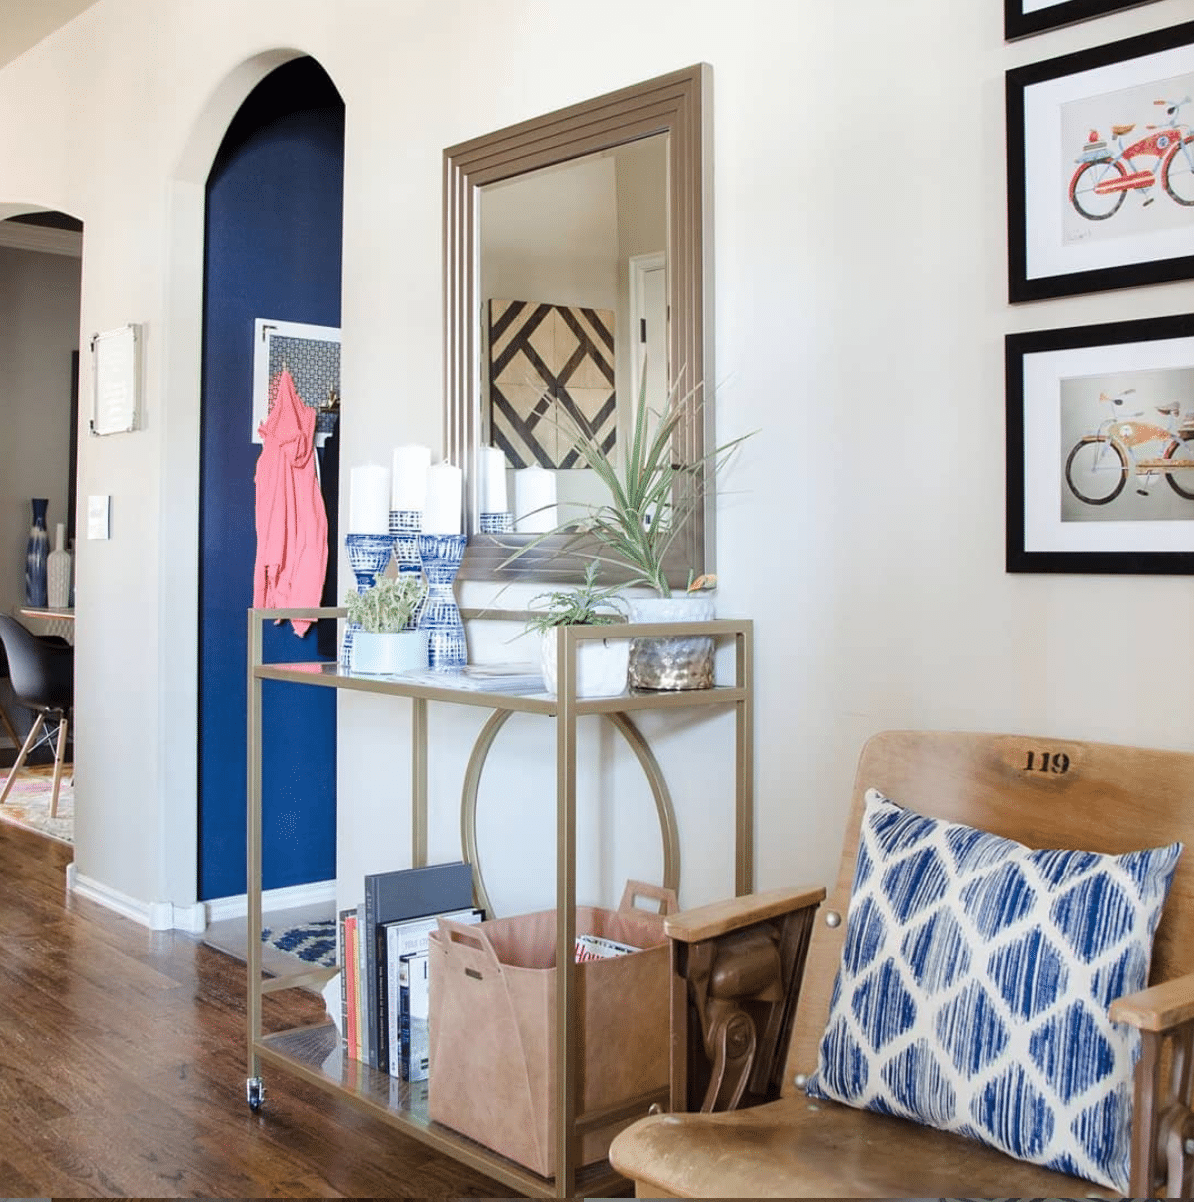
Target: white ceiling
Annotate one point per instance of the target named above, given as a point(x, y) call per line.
point(23, 23)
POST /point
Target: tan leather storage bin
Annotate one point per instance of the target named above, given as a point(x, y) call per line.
point(492, 1025)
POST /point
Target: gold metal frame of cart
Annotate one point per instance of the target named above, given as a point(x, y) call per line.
point(314, 1053)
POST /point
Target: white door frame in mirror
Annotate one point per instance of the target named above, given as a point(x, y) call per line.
point(676, 105)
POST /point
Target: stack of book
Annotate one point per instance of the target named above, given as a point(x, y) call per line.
point(383, 982)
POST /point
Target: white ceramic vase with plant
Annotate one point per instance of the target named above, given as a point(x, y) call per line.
point(387, 642)
point(601, 664)
point(651, 500)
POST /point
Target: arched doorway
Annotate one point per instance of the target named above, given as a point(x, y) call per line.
point(40, 278)
point(272, 250)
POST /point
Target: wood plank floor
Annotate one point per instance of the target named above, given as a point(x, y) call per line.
point(122, 1067)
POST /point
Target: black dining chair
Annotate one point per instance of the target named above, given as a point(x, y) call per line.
point(42, 672)
point(5, 717)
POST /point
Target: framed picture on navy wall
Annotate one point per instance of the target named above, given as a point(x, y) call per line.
point(1022, 17)
point(1100, 448)
point(1100, 176)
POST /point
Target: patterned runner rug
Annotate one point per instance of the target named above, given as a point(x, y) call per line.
point(314, 942)
point(28, 804)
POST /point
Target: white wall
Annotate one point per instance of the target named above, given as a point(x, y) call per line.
point(860, 311)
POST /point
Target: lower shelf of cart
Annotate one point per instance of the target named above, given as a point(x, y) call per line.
point(315, 1055)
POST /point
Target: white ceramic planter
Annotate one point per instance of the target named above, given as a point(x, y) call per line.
point(683, 662)
point(386, 654)
point(600, 665)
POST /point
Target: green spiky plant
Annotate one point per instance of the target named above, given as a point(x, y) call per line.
point(651, 497)
point(389, 605)
point(587, 605)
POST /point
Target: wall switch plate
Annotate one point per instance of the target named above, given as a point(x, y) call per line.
point(99, 510)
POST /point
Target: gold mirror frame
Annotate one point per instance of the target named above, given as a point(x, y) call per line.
point(676, 105)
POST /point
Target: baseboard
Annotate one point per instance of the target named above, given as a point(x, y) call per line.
point(289, 898)
point(157, 916)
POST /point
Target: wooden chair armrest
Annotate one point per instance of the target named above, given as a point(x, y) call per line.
point(736, 971)
point(721, 917)
point(1162, 1008)
point(1162, 1119)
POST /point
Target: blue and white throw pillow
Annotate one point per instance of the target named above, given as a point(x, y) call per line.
point(974, 987)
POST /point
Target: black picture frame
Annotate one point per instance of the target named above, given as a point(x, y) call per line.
point(1048, 427)
point(1020, 24)
point(1063, 239)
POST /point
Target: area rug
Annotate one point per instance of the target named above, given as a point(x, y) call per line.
point(28, 804)
point(314, 942)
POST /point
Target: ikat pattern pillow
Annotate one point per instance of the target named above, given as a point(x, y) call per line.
point(974, 986)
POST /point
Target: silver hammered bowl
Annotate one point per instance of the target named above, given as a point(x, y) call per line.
point(682, 662)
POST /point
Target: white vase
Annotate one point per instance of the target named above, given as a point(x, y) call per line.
point(683, 662)
point(58, 564)
point(387, 654)
point(600, 665)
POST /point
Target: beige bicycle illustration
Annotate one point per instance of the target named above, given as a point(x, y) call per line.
point(1099, 464)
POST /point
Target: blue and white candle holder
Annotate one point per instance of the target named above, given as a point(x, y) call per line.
point(368, 556)
point(441, 556)
point(497, 523)
point(405, 525)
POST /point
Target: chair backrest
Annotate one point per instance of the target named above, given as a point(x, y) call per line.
point(42, 672)
point(1043, 792)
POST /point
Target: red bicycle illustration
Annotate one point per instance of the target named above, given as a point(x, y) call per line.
point(1105, 176)
point(1097, 467)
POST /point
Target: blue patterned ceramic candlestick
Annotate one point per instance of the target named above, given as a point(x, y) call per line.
point(368, 556)
point(405, 525)
point(441, 556)
point(497, 523)
point(37, 551)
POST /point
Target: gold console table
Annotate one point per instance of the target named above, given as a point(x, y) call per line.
point(315, 1054)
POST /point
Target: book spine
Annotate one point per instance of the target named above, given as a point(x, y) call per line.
point(404, 1018)
point(350, 1025)
point(394, 1053)
point(417, 1052)
point(369, 979)
point(342, 933)
point(382, 1034)
point(362, 1010)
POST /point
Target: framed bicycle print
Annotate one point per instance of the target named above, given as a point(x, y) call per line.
point(1101, 167)
point(1100, 448)
point(1022, 17)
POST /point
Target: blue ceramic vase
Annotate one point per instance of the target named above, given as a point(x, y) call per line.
point(441, 556)
point(37, 551)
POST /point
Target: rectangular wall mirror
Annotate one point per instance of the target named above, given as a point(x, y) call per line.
point(576, 257)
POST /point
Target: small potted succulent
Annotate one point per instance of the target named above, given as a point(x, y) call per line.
point(600, 663)
point(387, 641)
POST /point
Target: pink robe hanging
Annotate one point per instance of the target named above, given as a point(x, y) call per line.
point(292, 525)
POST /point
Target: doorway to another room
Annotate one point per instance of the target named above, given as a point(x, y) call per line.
point(272, 256)
point(40, 278)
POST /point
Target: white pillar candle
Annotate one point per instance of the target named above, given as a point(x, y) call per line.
point(410, 477)
point(534, 500)
point(441, 511)
point(492, 491)
point(369, 500)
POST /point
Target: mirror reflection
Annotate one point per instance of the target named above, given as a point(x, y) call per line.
point(573, 263)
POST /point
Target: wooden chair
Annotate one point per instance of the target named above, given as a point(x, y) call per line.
point(1046, 793)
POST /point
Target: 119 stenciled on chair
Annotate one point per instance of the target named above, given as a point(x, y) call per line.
point(995, 1000)
point(42, 672)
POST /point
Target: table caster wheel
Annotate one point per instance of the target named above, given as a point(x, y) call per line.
point(255, 1093)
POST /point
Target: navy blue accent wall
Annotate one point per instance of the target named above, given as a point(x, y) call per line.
point(274, 219)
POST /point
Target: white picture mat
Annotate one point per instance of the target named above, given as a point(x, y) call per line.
point(1043, 373)
point(265, 329)
point(114, 380)
point(1045, 156)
